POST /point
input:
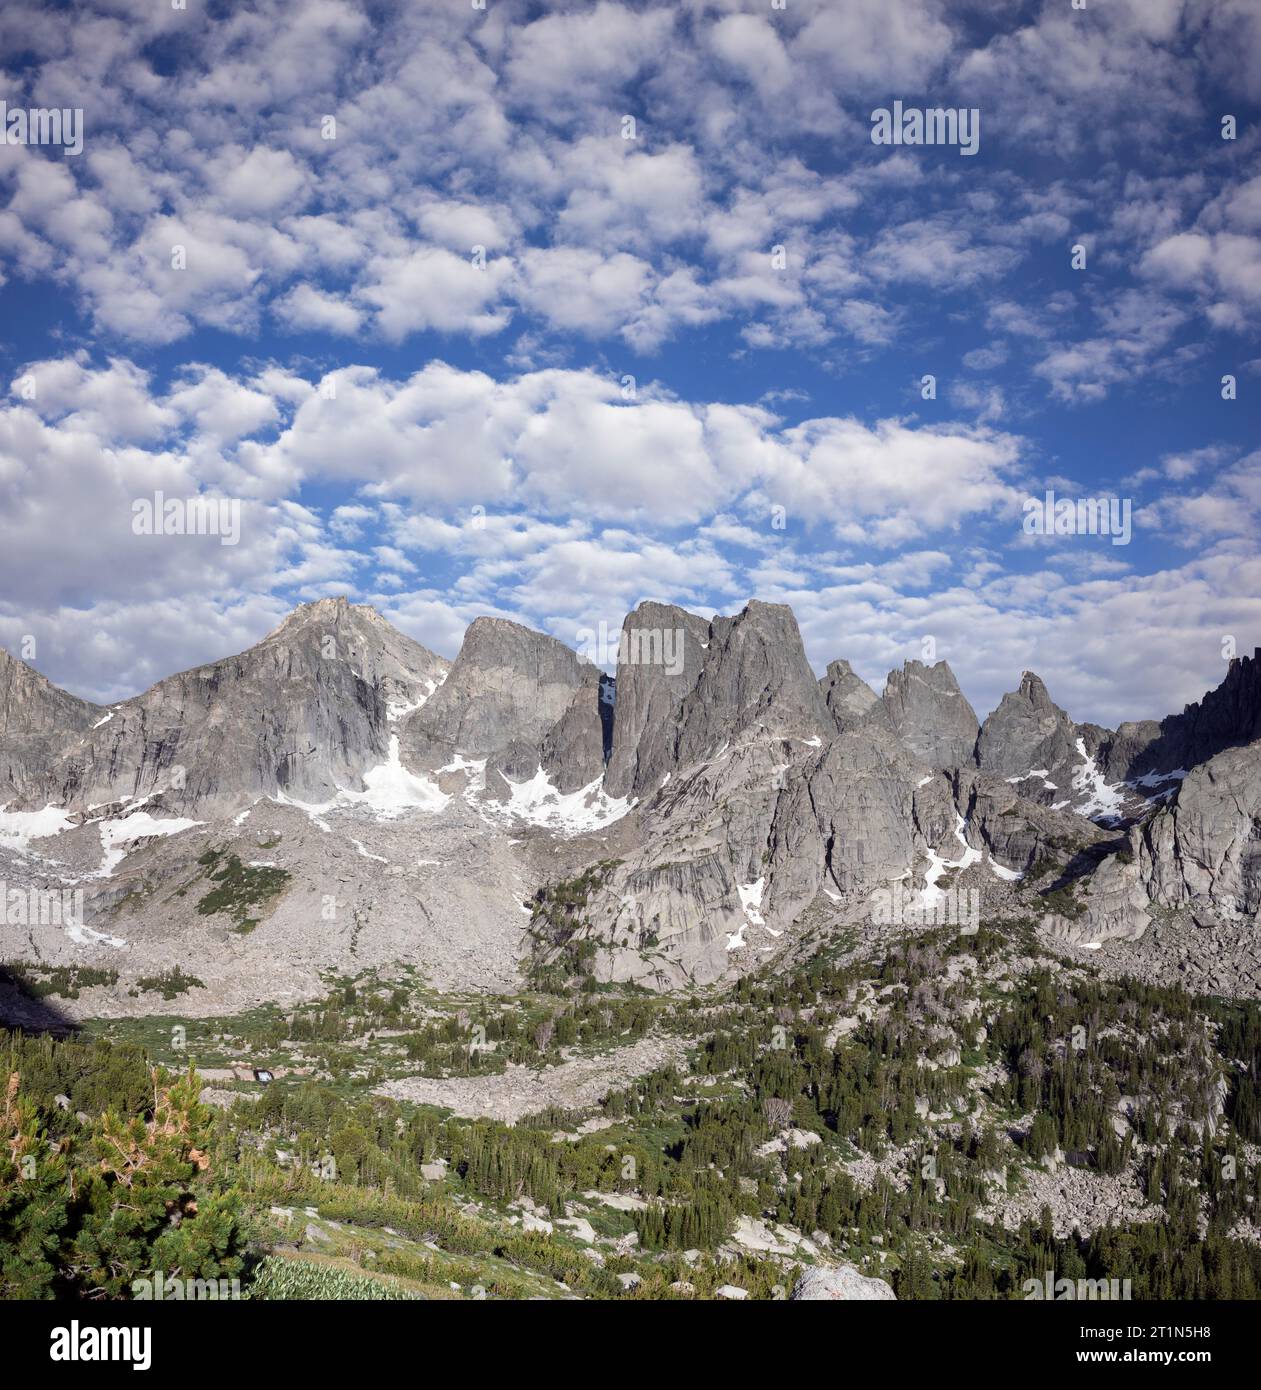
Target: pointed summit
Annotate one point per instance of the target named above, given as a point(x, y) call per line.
point(652, 683)
point(1028, 731)
point(305, 712)
point(520, 697)
point(930, 715)
point(850, 700)
point(755, 673)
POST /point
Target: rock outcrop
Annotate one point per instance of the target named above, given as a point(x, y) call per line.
point(1027, 730)
point(304, 713)
point(1205, 849)
point(519, 699)
point(37, 721)
point(1227, 717)
point(930, 715)
point(850, 700)
point(754, 676)
point(660, 655)
point(842, 1282)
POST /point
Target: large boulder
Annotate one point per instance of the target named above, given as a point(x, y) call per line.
point(839, 1282)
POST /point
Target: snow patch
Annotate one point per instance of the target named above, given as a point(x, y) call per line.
point(396, 712)
point(115, 834)
point(1104, 801)
point(473, 768)
point(751, 901)
point(312, 810)
point(1154, 779)
point(572, 813)
point(85, 936)
point(103, 720)
point(938, 864)
point(19, 828)
point(391, 789)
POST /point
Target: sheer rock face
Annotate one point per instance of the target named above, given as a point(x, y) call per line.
point(730, 677)
point(1206, 848)
point(1027, 730)
point(521, 700)
point(850, 700)
point(37, 720)
point(650, 694)
point(930, 715)
point(1030, 741)
point(305, 712)
point(849, 823)
point(755, 676)
point(31, 704)
point(572, 750)
point(769, 823)
point(1227, 717)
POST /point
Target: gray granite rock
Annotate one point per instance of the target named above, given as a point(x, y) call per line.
point(650, 692)
point(930, 714)
point(850, 700)
point(841, 1282)
point(1027, 730)
point(305, 712)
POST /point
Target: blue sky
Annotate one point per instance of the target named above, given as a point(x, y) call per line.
point(483, 449)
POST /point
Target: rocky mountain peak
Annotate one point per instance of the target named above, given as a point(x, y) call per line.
point(661, 653)
point(1033, 689)
point(505, 696)
point(31, 703)
point(1028, 731)
point(755, 674)
point(930, 714)
point(850, 700)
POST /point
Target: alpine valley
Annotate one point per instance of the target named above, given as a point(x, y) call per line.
point(706, 978)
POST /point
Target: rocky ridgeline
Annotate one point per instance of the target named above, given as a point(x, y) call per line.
point(726, 787)
point(303, 713)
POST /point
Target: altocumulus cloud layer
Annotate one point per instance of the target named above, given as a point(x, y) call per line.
point(584, 304)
